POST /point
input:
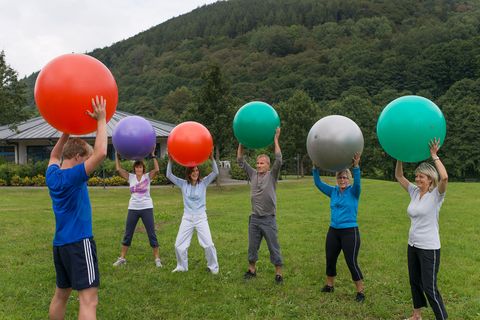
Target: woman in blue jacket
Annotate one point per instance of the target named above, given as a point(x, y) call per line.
point(343, 234)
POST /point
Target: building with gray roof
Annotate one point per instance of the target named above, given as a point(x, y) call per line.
point(35, 138)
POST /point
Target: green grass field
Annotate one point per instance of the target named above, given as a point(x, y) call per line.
point(141, 291)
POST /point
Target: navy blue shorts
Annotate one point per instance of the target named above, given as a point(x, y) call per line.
point(76, 265)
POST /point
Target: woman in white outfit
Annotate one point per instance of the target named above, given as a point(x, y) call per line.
point(194, 216)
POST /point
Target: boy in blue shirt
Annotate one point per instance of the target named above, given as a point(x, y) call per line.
point(74, 250)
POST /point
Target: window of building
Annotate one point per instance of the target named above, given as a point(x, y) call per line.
point(38, 153)
point(7, 153)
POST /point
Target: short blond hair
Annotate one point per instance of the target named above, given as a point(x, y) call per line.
point(430, 171)
point(76, 146)
point(263, 155)
point(346, 171)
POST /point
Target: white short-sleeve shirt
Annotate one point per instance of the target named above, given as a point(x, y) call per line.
point(424, 214)
point(140, 192)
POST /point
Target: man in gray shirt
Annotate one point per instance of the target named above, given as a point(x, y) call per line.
point(262, 221)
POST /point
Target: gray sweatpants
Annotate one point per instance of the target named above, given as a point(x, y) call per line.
point(259, 227)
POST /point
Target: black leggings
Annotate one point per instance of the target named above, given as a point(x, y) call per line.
point(347, 240)
point(423, 267)
point(147, 218)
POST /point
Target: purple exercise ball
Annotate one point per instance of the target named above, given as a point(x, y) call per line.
point(134, 138)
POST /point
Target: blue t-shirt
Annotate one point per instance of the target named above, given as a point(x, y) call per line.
point(70, 203)
point(343, 205)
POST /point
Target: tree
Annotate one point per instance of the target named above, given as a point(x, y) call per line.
point(213, 107)
point(297, 115)
point(12, 95)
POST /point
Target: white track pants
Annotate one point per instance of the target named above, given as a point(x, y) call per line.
point(190, 222)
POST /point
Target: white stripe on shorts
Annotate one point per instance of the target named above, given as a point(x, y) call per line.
point(89, 260)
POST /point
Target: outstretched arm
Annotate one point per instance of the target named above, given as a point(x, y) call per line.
point(442, 172)
point(118, 166)
point(101, 140)
point(56, 154)
point(400, 177)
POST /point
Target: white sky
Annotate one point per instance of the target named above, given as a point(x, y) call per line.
point(33, 32)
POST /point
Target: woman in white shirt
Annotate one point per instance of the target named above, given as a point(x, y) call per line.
point(140, 206)
point(424, 240)
point(194, 191)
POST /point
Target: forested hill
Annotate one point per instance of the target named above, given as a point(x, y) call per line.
point(332, 56)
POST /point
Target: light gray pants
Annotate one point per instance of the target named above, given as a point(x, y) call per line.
point(263, 227)
point(190, 223)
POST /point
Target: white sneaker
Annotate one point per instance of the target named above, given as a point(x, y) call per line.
point(177, 269)
point(120, 261)
point(158, 263)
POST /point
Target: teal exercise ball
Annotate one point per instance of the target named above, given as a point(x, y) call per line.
point(255, 123)
point(407, 125)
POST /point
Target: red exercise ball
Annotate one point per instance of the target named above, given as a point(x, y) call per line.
point(64, 90)
point(190, 144)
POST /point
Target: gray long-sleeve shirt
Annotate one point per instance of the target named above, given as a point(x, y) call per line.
point(263, 186)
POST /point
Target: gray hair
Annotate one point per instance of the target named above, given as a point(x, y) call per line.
point(430, 171)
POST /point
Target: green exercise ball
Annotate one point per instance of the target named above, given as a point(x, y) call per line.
point(406, 126)
point(255, 124)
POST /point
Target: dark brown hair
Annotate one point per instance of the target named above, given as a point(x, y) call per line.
point(139, 163)
point(188, 172)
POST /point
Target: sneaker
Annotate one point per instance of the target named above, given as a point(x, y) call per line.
point(249, 275)
point(212, 271)
point(328, 289)
point(177, 269)
point(120, 262)
point(278, 279)
point(158, 263)
point(360, 297)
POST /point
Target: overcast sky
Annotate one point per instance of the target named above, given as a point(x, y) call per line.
point(33, 32)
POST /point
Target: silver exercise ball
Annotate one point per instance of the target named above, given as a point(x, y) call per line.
point(333, 141)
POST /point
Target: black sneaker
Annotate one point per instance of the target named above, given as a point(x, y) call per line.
point(249, 275)
point(278, 279)
point(360, 297)
point(328, 289)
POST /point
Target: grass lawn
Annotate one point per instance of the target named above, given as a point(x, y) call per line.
point(141, 291)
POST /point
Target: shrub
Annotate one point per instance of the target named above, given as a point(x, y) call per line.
point(115, 181)
point(3, 182)
point(160, 179)
point(38, 180)
point(26, 181)
point(95, 181)
point(15, 180)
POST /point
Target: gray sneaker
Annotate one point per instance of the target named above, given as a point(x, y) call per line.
point(158, 263)
point(120, 262)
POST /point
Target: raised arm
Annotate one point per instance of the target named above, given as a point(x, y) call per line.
point(322, 186)
point(175, 180)
point(400, 177)
point(356, 188)
point(208, 179)
point(275, 141)
point(56, 154)
point(101, 140)
point(242, 163)
point(156, 168)
point(118, 166)
point(442, 172)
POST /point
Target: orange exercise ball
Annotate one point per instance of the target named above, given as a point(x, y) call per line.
point(64, 90)
point(190, 144)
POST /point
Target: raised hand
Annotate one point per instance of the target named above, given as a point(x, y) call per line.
point(99, 105)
